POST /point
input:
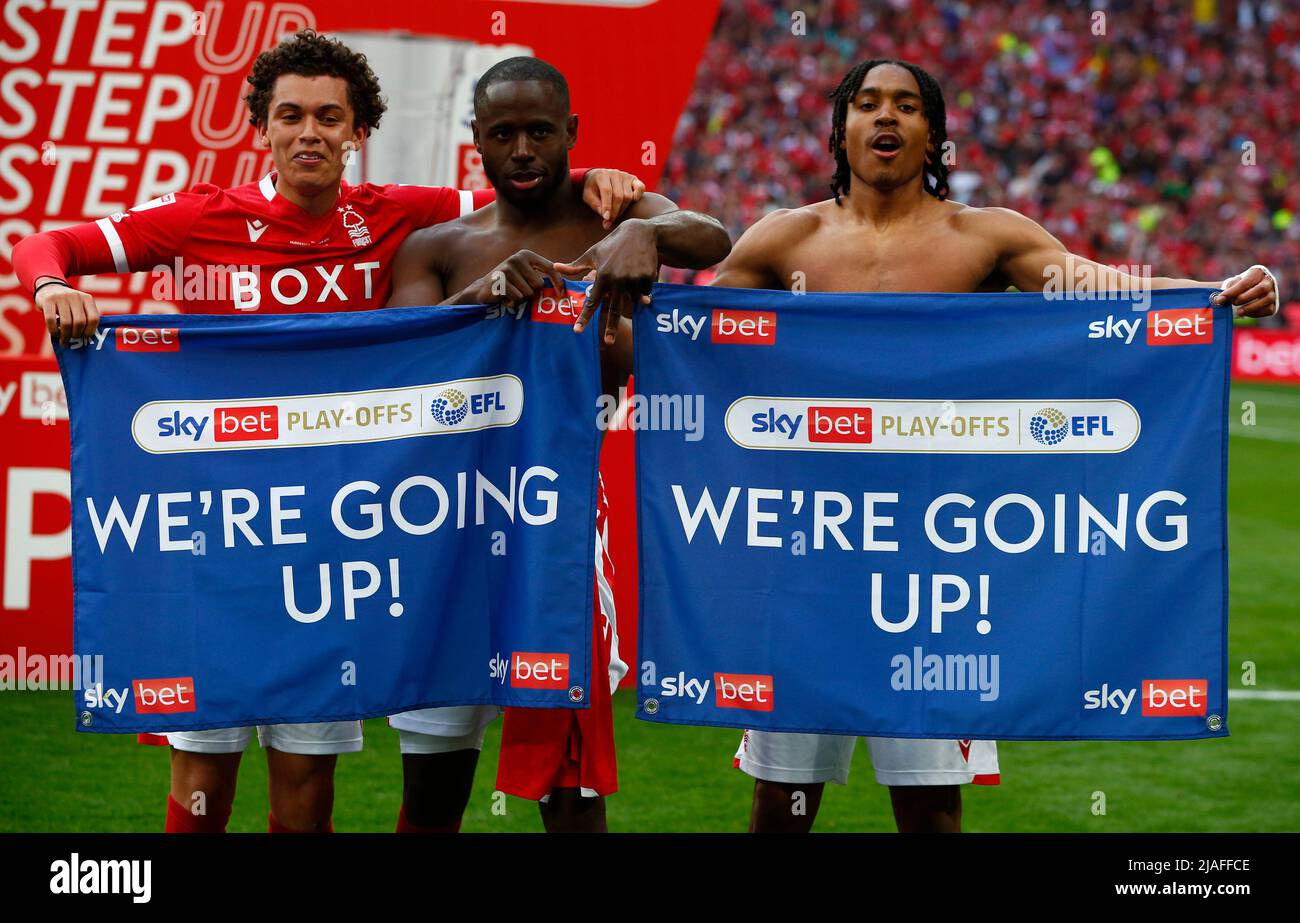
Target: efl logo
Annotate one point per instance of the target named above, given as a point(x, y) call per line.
point(158, 696)
point(1181, 327)
point(562, 310)
point(754, 328)
point(148, 339)
point(246, 424)
point(839, 424)
point(539, 671)
point(1173, 697)
point(743, 690)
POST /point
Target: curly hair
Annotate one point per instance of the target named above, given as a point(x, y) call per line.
point(310, 54)
point(932, 105)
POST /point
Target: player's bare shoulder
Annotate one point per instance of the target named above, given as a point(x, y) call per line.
point(761, 257)
point(787, 227)
point(994, 224)
point(441, 244)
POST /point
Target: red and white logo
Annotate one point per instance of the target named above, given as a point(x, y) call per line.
point(1173, 697)
point(159, 696)
point(753, 328)
point(539, 671)
point(1271, 355)
point(558, 310)
point(839, 424)
point(148, 339)
point(1180, 327)
point(743, 690)
point(246, 424)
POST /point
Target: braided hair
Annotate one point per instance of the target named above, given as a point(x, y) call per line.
point(932, 106)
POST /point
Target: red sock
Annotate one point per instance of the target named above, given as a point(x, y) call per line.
point(405, 826)
point(181, 820)
point(274, 826)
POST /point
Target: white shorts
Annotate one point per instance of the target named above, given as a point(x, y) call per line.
point(424, 744)
point(443, 730)
point(317, 739)
point(780, 757)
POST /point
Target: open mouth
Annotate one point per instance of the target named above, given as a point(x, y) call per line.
point(308, 158)
point(527, 179)
point(887, 145)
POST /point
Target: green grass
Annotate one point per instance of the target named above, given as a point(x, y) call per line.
point(680, 778)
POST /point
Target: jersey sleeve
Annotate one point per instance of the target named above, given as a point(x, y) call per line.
point(129, 241)
point(429, 205)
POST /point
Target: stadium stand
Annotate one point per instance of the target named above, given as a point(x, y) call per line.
point(1171, 140)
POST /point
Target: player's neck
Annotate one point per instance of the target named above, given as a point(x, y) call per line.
point(315, 202)
point(884, 207)
point(560, 205)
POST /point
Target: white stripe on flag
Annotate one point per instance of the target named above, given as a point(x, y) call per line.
point(115, 247)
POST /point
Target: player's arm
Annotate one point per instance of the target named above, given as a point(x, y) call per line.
point(127, 242)
point(417, 270)
point(1029, 256)
point(626, 262)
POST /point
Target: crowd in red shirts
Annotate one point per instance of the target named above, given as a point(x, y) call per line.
point(1159, 132)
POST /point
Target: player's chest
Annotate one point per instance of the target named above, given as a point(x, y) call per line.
point(477, 254)
point(265, 266)
point(935, 261)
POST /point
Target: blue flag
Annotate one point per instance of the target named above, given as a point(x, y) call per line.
point(955, 516)
point(324, 517)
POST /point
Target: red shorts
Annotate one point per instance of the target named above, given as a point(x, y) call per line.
point(549, 748)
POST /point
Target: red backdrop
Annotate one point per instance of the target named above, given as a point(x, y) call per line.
point(105, 108)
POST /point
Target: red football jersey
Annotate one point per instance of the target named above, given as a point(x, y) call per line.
point(248, 249)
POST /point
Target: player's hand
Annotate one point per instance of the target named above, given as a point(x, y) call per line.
point(517, 279)
point(609, 193)
point(626, 264)
point(69, 313)
point(1253, 293)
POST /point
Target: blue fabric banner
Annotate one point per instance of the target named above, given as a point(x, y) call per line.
point(958, 516)
point(320, 517)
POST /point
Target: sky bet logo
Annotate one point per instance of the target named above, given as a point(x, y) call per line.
point(825, 424)
point(1177, 327)
point(747, 328)
point(1167, 698)
point(537, 671)
point(164, 696)
point(232, 424)
point(1161, 698)
point(562, 310)
point(148, 339)
point(751, 692)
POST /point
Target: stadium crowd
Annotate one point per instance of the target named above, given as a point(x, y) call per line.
point(1172, 139)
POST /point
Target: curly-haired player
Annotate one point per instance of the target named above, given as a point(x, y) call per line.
point(298, 240)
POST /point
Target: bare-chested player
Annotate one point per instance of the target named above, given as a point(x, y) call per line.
point(507, 253)
point(890, 228)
